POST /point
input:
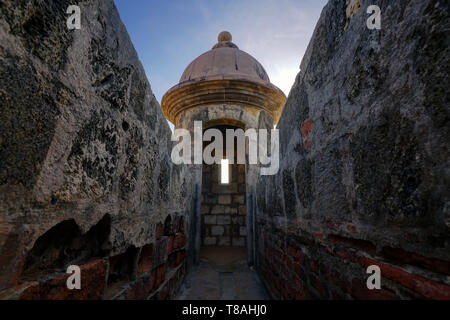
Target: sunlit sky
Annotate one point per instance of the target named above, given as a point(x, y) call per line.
point(169, 34)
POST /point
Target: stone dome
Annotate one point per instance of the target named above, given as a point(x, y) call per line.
point(224, 60)
point(222, 76)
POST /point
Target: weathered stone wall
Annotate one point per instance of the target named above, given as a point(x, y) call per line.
point(85, 170)
point(214, 115)
point(364, 160)
point(223, 207)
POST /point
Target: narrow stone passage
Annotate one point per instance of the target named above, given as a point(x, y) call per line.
point(339, 191)
point(223, 274)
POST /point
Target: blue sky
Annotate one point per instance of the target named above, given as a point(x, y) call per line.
point(169, 34)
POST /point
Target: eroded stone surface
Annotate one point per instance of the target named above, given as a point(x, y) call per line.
point(86, 176)
point(363, 129)
point(82, 138)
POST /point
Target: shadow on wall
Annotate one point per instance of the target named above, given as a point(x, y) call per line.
point(154, 271)
point(63, 245)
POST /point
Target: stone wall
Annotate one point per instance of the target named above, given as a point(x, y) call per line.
point(364, 176)
point(223, 207)
point(85, 170)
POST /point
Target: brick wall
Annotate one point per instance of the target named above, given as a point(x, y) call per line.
point(153, 271)
point(318, 266)
point(223, 207)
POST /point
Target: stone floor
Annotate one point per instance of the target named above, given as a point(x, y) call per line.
point(222, 274)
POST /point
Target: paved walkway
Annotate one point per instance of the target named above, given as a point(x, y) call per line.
point(222, 274)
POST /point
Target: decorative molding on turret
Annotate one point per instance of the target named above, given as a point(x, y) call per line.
point(190, 94)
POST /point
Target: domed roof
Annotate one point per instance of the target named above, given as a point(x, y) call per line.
point(223, 75)
point(224, 60)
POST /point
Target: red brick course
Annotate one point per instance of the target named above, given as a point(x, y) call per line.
point(92, 285)
point(427, 288)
